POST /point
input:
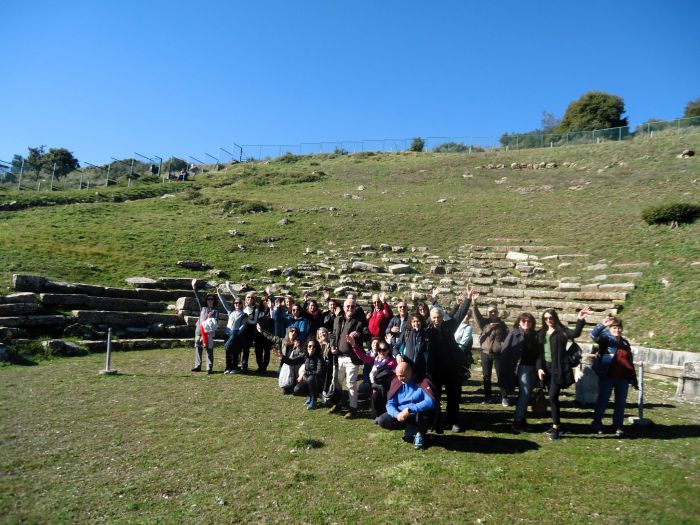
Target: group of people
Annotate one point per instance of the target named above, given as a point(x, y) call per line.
point(410, 358)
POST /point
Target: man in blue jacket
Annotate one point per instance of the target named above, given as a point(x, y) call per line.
point(410, 406)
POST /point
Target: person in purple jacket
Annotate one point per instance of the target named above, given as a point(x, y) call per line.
point(410, 406)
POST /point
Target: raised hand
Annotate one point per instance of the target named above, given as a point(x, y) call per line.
point(584, 312)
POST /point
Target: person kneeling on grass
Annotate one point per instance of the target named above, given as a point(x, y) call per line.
point(409, 406)
point(313, 370)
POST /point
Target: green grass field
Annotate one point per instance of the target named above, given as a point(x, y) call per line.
point(158, 444)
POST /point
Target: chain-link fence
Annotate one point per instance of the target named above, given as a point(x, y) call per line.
point(19, 174)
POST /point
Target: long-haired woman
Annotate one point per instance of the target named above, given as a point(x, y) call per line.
point(519, 355)
point(553, 367)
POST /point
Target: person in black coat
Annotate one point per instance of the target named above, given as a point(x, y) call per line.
point(553, 366)
point(447, 358)
point(314, 366)
point(519, 356)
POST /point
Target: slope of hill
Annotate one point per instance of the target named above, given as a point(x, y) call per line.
point(589, 203)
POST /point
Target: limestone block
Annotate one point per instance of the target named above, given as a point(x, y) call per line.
point(33, 321)
point(180, 283)
point(395, 269)
point(14, 298)
point(508, 292)
point(689, 382)
point(540, 283)
point(100, 303)
point(360, 266)
point(617, 287)
point(517, 256)
point(124, 318)
point(569, 287)
point(13, 309)
point(599, 296)
point(142, 282)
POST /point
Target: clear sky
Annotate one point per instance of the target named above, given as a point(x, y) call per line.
point(107, 78)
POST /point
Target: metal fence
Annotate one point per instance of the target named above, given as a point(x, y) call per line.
point(19, 174)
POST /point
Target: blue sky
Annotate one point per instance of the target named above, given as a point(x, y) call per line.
point(110, 78)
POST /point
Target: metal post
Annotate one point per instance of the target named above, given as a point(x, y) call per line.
point(641, 420)
point(21, 170)
point(81, 181)
point(108, 370)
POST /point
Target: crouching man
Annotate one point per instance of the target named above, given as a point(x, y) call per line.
point(409, 406)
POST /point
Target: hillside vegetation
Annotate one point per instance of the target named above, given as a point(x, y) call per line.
point(593, 206)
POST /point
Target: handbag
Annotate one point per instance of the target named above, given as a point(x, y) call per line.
point(539, 403)
point(286, 377)
point(574, 354)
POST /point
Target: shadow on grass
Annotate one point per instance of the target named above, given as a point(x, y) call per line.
point(653, 431)
point(482, 445)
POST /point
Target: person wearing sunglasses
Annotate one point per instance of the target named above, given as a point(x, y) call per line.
point(615, 370)
point(553, 367)
point(291, 347)
point(493, 333)
point(397, 326)
point(205, 330)
point(312, 379)
point(235, 329)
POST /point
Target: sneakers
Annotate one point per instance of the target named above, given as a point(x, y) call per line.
point(554, 433)
point(210, 371)
point(334, 409)
point(197, 369)
point(521, 426)
point(409, 434)
point(227, 371)
point(419, 441)
point(505, 402)
point(350, 414)
point(311, 405)
point(597, 428)
point(619, 433)
point(457, 428)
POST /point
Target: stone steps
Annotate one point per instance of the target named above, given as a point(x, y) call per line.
point(130, 319)
point(89, 302)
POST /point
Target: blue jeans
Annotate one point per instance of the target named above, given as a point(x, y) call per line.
point(605, 388)
point(526, 382)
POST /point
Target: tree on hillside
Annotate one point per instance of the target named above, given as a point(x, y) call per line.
point(417, 144)
point(594, 110)
point(41, 160)
point(549, 122)
point(692, 109)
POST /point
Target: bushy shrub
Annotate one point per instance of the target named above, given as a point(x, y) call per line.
point(239, 206)
point(289, 158)
point(679, 212)
point(417, 144)
point(456, 147)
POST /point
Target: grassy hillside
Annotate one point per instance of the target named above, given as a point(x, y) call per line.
point(592, 207)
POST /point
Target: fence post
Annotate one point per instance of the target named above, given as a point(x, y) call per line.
point(81, 181)
point(619, 134)
point(53, 174)
point(21, 170)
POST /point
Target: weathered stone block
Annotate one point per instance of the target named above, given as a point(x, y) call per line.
point(12, 309)
point(138, 319)
point(360, 266)
point(33, 321)
point(142, 282)
point(14, 298)
point(395, 269)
